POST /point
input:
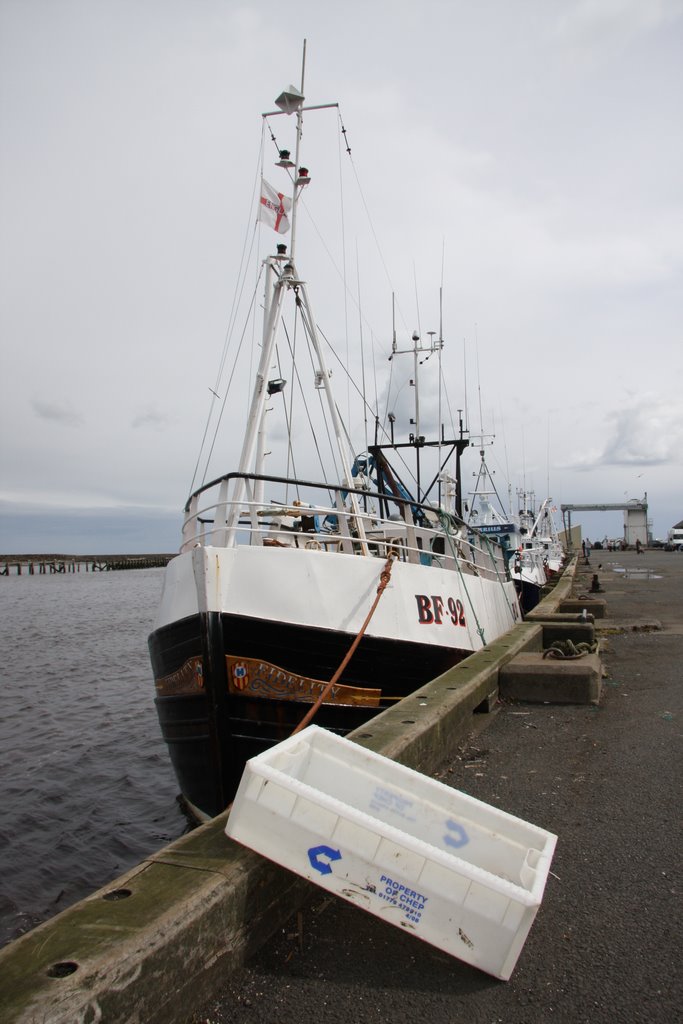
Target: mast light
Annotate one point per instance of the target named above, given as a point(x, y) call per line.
point(276, 386)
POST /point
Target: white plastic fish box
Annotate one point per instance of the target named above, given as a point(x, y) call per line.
point(456, 872)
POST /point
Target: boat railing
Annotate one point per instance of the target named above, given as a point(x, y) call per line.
point(412, 532)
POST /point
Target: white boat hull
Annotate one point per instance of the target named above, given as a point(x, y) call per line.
point(334, 592)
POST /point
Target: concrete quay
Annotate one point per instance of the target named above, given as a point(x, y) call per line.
point(208, 924)
point(606, 778)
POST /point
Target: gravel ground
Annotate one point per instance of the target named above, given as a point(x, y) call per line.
point(605, 946)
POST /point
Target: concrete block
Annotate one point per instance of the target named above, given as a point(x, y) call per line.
point(533, 678)
point(578, 632)
point(538, 615)
point(596, 606)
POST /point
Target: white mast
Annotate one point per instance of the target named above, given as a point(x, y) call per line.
point(290, 101)
point(425, 351)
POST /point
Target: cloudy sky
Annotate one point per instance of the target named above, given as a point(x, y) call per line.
point(527, 153)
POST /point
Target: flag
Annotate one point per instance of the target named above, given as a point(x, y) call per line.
point(273, 208)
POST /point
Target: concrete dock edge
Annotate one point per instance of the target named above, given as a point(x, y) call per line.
point(159, 940)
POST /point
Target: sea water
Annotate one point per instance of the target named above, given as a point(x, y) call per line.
point(86, 785)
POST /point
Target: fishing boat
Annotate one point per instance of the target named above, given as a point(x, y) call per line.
point(342, 592)
point(545, 533)
point(524, 551)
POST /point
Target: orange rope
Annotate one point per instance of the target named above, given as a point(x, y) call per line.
point(383, 581)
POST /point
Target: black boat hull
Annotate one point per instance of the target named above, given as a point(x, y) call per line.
point(211, 731)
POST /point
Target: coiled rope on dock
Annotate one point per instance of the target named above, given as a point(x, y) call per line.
point(567, 649)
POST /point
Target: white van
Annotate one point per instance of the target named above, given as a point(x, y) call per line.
point(675, 537)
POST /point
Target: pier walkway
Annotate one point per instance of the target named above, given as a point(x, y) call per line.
point(605, 946)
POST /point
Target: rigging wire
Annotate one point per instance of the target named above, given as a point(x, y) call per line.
point(385, 434)
point(230, 380)
point(448, 406)
point(417, 303)
point(446, 527)
point(367, 212)
point(341, 274)
point(342, 220)
point(441, 380)
point(362, 353)
point(507, 464)
point(236, 300)
point(306, 409)
point(242, 269)
point(464, 372)
point(308, 328)
point(248, 248)
point(476, 349)
point(289, 411)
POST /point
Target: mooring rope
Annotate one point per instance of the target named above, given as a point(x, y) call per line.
point(444, 520)
point(567, 649)
point(384, 578)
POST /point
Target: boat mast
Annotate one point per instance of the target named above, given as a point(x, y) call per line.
point(284, 269)
point(484, 488)
point(417, 441)
point(542, 514)
point(297, 152)
point(258, 401)
point(439, 421)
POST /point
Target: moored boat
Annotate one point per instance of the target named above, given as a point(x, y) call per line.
point(546, 535)
point(514, 532)
point(350, 590)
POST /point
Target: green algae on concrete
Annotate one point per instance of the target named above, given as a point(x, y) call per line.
point(150, 955)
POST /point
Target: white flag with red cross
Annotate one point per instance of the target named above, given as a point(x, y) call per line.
point(273, 208)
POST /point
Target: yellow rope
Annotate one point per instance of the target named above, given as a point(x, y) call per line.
point(383, 581)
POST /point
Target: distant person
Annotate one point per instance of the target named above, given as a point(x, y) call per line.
point(639, 547)
point(583, 547)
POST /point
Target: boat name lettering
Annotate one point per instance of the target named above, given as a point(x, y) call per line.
point(281, 680)
point(252, 677)
point(433, 610)
point(187, 679)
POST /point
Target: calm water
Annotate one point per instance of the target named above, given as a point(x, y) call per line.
point(86, 787)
